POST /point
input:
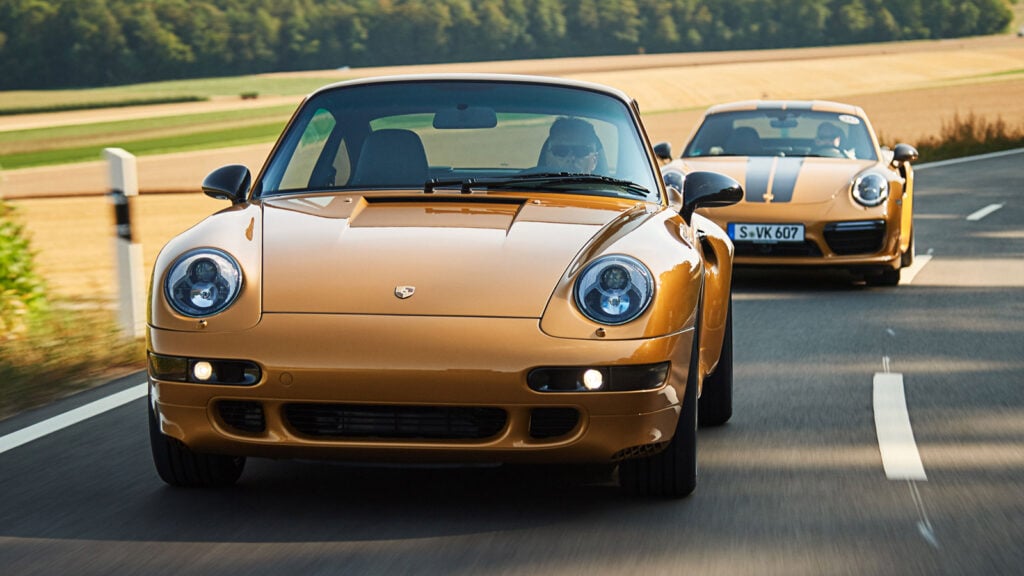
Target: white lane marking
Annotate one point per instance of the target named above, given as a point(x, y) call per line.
point(896, 442)
point(953, 161)
point(70, 418)
point(907, 275)
point(975, 216)
point(900, 457)
point(924, 525)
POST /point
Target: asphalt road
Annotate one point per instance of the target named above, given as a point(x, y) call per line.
point(793, 485)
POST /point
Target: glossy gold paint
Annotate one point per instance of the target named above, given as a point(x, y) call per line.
point(821, 195)
point(319, 314)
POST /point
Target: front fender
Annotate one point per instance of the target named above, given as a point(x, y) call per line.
point(717, 250)
point(657, 237)
point(238, 231)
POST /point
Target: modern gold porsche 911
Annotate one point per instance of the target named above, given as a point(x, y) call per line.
point(464, 268)
point(820, 191)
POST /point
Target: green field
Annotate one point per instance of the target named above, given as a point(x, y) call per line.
point(203, 88)
point(157, 135)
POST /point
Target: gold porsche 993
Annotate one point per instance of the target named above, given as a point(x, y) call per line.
point(820, 191)
point(463, 268)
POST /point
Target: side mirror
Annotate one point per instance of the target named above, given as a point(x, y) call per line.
point(663, 150)
point(709, 189)
point(229, 182)
point(904, 153)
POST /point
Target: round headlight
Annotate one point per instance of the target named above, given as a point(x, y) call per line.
point(870, 189)
point(203, 282)
point(614, 290)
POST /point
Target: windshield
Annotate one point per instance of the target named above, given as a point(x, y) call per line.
point(776, 132)
point(430, 134)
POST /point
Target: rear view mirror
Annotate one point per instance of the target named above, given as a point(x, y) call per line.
point(465, 117)
point(784, 123)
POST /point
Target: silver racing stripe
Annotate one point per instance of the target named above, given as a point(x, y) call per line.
point(784, 181)
point(759, 169)
point(772, 178)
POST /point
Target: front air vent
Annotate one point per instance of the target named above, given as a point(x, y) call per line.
point(641, 451)
point(552, 422)
point(787, 249)
point(847, 238)
point(340, 421)
point(242, 415)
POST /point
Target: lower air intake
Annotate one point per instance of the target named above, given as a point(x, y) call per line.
point(395, 422)
point(552, 422)
point(242, 415)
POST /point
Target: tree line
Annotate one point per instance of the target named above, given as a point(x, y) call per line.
point(77, 43)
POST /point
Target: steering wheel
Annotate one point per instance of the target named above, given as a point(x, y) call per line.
point(828, 151)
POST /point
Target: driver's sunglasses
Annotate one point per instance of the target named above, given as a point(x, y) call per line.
point(576, 151)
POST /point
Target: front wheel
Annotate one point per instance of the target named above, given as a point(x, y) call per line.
point(177, 465)
point(671, 473)
point(887, 277)
point(716, 394)
point(907, 258)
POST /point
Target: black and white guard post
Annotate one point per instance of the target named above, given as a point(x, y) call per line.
point(124, 185)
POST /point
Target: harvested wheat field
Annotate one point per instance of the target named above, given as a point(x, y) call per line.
point(907, 89)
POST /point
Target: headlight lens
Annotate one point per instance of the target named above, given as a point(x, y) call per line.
point(870, 189)
point(614, 290)
point(203, 282)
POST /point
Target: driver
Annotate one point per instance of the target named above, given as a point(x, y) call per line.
point(572, 146)
point(830, 140)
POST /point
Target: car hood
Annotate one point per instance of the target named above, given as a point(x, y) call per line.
point(780, 179)
point(448, 255)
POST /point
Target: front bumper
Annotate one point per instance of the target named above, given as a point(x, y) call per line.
point(422, 374)
point(849, 238)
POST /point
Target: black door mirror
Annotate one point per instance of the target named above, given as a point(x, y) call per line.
point(229, 182)
point(663, 150)
point(709, 189)
point(904, 153)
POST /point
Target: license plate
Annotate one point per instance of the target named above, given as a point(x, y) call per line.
point(766, 233)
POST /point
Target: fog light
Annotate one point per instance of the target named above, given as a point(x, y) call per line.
point(202, 371)
point(593, 379)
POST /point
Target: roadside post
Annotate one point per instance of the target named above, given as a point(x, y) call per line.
point(124, 185)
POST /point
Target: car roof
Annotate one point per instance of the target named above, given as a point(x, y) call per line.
point(816, 105)
point(475, 77)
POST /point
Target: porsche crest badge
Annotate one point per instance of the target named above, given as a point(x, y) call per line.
point(404, 292)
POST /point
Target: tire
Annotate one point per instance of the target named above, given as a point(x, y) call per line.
point(671, 473)
point(715, 405)
point(907, 258)
point(886, 278)
point(179, 466)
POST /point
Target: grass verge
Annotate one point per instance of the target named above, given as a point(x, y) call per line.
point(64, 350)
point(970, 135)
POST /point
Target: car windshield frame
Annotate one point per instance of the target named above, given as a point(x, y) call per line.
point(468, 129)
point(791, 132)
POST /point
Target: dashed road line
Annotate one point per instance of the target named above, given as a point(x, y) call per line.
point(975, 216)
point(900, 456)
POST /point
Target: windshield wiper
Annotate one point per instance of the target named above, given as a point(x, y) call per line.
point(539, 180)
